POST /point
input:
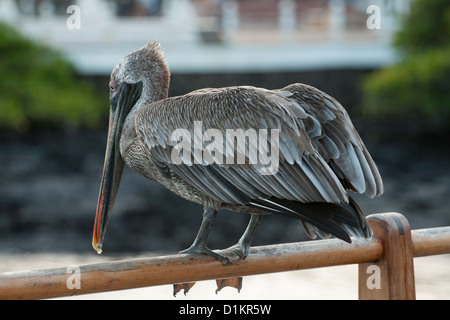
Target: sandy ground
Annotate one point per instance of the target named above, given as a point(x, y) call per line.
point(432, 275)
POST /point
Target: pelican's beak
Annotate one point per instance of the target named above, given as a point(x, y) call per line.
point(121, 104)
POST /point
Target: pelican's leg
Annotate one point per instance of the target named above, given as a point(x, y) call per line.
point(199, 245)
point(243, 245)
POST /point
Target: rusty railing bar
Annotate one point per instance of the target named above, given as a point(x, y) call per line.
point(153, 271)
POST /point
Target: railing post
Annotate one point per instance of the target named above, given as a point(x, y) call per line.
point(392, 276)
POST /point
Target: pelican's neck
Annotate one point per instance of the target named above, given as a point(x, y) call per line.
point(156, 87)
point(129, 126)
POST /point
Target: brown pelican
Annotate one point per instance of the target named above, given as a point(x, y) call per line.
point(315, 152)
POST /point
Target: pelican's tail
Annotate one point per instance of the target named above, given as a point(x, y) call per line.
point(321, 218)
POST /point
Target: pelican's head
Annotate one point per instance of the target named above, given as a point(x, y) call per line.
point(142, 76)
point(146, 64)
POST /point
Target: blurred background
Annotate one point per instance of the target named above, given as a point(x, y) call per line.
point(387, 62)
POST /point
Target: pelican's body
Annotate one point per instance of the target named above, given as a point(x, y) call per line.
point(319, 154)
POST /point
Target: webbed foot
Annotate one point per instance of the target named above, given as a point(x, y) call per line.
point(207, 251)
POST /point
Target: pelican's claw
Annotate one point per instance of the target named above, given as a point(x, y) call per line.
point(207, 251)
point(238, 249)
point(229, 282)
point(177, 287)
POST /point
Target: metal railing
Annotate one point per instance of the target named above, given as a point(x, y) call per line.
point(386, 269)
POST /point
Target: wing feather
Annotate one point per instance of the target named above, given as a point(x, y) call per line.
point(302, 173)
point(339, 144)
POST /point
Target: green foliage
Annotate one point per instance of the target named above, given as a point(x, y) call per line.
point(419, 85)
point(38, 87)
point(426, 27)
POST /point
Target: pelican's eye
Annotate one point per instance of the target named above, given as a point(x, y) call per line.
point(112, 88)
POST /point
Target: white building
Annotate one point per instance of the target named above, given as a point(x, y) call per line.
point(213, 35)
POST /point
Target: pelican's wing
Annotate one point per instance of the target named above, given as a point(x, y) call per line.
point(299, 172)
point(334, 136)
